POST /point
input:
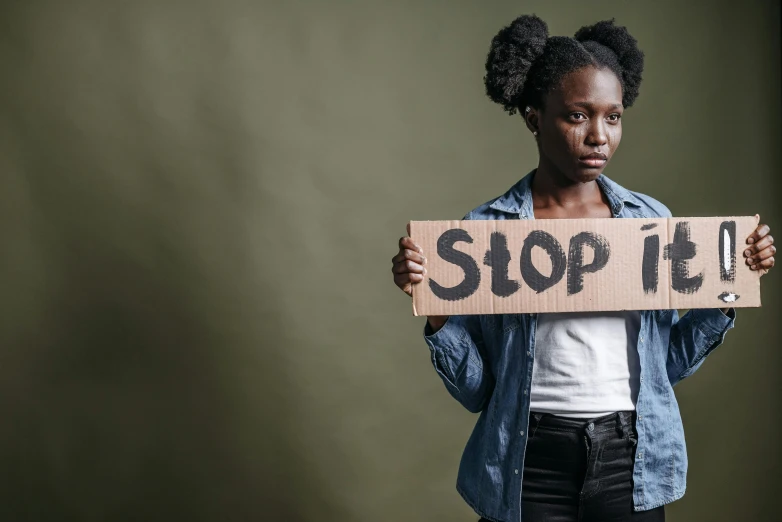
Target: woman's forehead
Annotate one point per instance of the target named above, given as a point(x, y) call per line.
point(588, 85)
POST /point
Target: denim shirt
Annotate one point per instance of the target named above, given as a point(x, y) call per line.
point(485, 362)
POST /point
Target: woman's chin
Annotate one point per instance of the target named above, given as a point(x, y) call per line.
point(586, 175)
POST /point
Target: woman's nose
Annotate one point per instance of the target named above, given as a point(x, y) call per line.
point(597, 135)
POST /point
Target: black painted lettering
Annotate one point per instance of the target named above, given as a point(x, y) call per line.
point(498, 258)
point(575, 262)
point(472, 274)
point(650, 265)
point(680, 252)
point(530, 274)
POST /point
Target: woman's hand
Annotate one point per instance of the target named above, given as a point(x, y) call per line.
point(408, 269)
point(408, 264)
point(761, 250)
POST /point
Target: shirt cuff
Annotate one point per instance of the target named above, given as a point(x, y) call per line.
point(431, 335)
point(713, 322)
point(449, 335)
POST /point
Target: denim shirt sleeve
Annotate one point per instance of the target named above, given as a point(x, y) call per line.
point(456, 355)
point(693, 337)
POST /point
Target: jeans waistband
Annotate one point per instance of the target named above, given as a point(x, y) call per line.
point(622, 421)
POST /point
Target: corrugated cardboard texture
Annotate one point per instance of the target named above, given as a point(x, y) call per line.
point(475, 267)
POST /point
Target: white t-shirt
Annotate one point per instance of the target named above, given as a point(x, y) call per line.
point(586, 363)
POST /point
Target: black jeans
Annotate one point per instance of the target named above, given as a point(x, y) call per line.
point(581, 470)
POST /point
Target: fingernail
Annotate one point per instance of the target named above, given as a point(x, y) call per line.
point(754, 267)
point(424, 260)
point(747, 252)
point(424, 271)
point(749, 261)
point(751, 240)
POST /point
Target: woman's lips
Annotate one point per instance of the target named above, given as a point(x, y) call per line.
point(592, 161)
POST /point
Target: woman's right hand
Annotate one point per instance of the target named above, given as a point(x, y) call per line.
point(408, 264)
point(409, 270)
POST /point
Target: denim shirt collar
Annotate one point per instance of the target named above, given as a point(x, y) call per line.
point(518, 199)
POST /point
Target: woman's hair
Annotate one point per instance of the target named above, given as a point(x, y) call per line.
point(524, 63)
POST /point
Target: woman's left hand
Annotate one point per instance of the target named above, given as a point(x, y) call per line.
point(761, 250)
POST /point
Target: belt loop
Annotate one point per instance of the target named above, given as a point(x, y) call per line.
point(535, 421)
point(620, 424)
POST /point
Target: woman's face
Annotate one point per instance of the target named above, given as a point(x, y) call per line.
point(580, 126)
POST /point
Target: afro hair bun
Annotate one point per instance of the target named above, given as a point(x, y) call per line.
point(619, 40)
point(513, 51)
point(524, 63)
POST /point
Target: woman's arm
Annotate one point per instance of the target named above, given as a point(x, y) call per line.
point(699, 332)
point(455, 342)
point(458, 357)
point(693, 337)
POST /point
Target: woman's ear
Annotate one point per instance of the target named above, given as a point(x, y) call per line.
point(531, 119)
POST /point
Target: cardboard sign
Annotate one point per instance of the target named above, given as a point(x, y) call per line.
point(566, 265)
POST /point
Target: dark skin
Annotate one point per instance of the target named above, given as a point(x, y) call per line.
point(582, 116)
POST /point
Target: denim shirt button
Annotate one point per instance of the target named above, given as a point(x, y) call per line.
point(522, 433)
point(591, 426)
point(516, 471)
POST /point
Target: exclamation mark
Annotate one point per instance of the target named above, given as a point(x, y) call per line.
point(727, 254)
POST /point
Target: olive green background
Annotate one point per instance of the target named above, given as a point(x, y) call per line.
point(199, 203)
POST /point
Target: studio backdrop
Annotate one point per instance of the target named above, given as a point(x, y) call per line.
point(200, 201)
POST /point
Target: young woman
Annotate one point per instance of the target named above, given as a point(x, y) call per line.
point(578, 419)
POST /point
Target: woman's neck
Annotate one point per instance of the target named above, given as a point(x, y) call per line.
point(555, 196)
point(551, 188)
